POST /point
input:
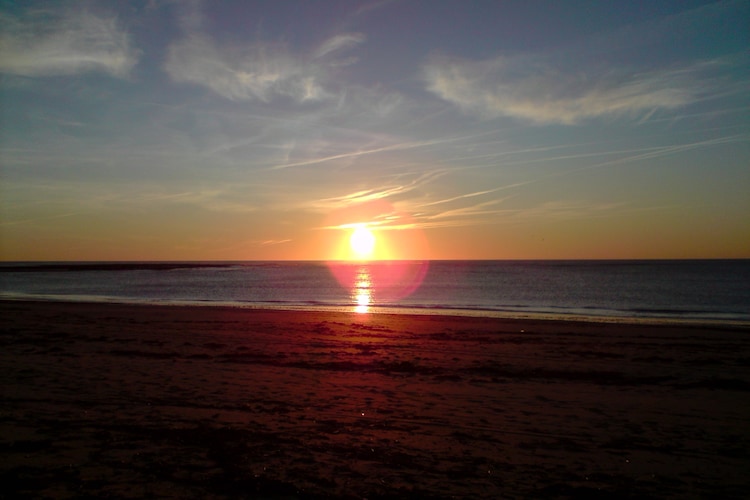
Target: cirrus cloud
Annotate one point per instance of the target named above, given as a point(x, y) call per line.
point(339, 42)
point(256, 72)
point(539, 91)
point(260, 71)
point(45, 43)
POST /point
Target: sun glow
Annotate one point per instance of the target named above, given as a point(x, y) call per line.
point(362, 242)
point(376, 253)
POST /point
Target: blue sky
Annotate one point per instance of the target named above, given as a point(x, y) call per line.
point(258, 130)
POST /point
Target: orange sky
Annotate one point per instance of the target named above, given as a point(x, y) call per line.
point(638, 235)
point(266, 130)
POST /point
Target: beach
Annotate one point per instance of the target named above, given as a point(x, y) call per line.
point(131, 401)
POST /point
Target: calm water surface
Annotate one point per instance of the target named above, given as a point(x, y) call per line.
point(716, 290)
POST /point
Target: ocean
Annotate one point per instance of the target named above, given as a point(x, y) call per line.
point(683, 290)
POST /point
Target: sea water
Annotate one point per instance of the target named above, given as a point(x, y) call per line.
point(711, 290)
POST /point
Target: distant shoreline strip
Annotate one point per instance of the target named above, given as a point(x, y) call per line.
point(15, 267)
point(114, 266)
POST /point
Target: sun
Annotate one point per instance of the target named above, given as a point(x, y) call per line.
point(362, 242)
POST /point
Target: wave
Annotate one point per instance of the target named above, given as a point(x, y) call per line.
point(525, 312)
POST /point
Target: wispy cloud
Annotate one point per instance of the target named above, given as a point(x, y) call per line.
point(261, 70)
point(379, 193)
point(541, 92)
point(275, 242)
point(655, 152)
point(472, 195)
point(605, 75)
point(45, 43)
point(393, 146)
point(355, 154)
point(468, 214)
point(622, 155)
point(493, 212)
point(133, 197)
point(258, 72)
point(220, 198)
point(568, 209)
point(338, 42)
point(38, 219)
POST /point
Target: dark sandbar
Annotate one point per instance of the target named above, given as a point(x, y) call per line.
point(126, 401)
point(106, 266)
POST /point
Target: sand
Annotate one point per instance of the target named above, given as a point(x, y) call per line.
point(125, 401)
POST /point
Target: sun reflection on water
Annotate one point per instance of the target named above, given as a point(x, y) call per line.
point(367, 284)
point(362, 291)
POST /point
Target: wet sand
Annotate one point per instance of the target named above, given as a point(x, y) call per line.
point(125, 401)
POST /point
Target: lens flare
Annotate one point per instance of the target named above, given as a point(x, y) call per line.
point(378, 254)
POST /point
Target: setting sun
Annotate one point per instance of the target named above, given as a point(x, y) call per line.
point(362, 242)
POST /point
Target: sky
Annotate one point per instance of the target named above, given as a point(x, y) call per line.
point(253, 130)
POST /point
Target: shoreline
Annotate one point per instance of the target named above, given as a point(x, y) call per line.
point(397, 311)
point(129, 401)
